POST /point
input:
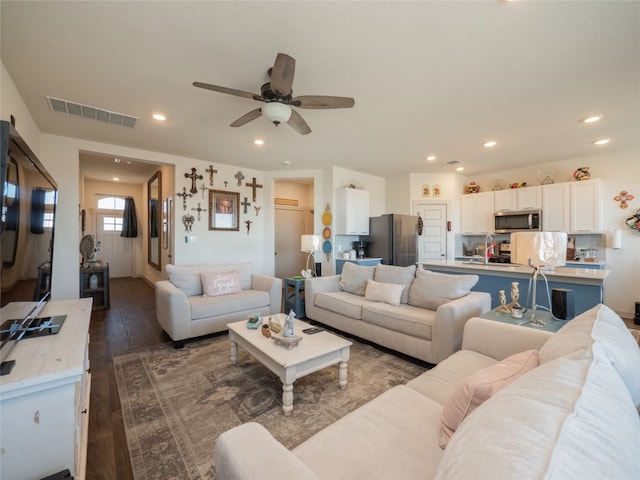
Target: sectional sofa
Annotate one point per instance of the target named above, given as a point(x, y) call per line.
point(201, 299)
point(413, 311)
point(515, 402)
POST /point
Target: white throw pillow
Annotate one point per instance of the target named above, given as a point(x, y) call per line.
point(431, 289)
point(354, 278)
point(215, 284)
point(398, 275)
point(383, 292)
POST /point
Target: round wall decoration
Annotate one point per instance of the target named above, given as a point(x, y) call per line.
point(326, 233)
point(326, 218)
point(326, 247)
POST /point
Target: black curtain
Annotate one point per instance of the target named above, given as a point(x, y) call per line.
point(129, 219)
point(37, 210)
point(153, 218)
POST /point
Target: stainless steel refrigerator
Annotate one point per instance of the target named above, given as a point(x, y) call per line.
point(394, 238)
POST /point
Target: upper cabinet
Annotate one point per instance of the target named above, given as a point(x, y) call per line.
point(352, 212)
point(586, 206)
point(528, 198)
point(556, 207)
point(476, 213)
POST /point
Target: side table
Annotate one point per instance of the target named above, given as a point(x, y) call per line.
point(294, 296)
point(99, 292)
point(552, 325)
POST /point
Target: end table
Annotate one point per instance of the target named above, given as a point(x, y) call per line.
point(294, 296)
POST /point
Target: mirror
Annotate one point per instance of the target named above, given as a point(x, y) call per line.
point(11, 215)
point(154, 194)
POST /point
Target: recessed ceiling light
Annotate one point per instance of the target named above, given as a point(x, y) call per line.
point(604, 141)
point(431, 158)
point(592, 119)
point(491, 143)
point(459, 169)
point(286, 162)
point(159, 116)
point(258, 141)
point(116, 160)
point(116, 179)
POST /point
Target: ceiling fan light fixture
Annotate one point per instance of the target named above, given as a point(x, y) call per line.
point(276, 112)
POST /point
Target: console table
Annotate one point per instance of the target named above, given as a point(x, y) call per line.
point(45, 399)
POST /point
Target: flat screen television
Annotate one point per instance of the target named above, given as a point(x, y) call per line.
point(27, 224)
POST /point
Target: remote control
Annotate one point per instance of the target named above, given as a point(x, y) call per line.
point(312, 330)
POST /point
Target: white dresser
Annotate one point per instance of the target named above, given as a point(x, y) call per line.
point(44, 401)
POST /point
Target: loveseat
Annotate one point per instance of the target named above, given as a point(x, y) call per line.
point(199, 300)
point(416, 312)
point(573, 416)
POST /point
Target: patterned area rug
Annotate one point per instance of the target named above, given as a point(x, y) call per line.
point(175, 403)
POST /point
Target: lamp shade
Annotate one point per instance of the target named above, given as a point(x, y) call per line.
point(310, 243)
point(539, 249)
point(276, 112)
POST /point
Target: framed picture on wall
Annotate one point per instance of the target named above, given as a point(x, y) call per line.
point(224, 212)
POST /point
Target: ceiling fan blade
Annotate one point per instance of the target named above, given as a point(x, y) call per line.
point(247, 117)
point(322, 101)
point(228, 91)
point(282, 74)
point(298, 123)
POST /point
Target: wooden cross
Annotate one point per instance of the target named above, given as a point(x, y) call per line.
point(184, 196)
point(239, 176)
point(253, 185)
point(199, 209)
point(245, 204)
point(248, 222)
point(211, 171)
point(193, 176)
point(203, 188)
point(257, 209)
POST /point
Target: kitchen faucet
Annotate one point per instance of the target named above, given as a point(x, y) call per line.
point(488, 243)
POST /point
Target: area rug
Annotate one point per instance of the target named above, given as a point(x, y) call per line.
point(175, 403)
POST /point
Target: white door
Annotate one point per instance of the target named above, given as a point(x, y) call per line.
point(114, 249)
point(432, 244)
point(289, 227)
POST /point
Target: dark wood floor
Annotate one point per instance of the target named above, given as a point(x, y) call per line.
point(129, 324)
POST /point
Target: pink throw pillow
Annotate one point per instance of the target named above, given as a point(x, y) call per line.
point(214, 284)
point(475, 389)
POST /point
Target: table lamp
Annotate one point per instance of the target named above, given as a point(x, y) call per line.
point(543, 251)
point(310, 244)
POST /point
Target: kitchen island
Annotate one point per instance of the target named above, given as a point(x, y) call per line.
point(586, 283)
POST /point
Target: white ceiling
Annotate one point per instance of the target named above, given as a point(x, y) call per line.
point(428, 77)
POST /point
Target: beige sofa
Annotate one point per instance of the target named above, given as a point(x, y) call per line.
point(184, 310)
point(424, 320)
point(575, 416)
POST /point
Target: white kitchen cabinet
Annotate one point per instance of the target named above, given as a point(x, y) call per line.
point(45, 398)
point(586, 206)
point(527, 198)
point(556, 207)
point(476, 213)
point(352, 212)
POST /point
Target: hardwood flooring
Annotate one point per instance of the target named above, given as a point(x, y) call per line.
point(129, 324)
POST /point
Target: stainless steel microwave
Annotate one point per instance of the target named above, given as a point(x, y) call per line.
point(507, 221)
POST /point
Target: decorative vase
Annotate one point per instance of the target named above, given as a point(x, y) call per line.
point(582, 173)
point(93, 281)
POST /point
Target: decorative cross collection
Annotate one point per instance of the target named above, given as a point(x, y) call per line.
point(193, 176)
point(188, 220)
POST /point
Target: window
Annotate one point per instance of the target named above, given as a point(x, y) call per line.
point(113, 206)
point(112, 224)
point(111, 203)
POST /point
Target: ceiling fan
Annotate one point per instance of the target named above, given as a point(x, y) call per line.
point(278, 98)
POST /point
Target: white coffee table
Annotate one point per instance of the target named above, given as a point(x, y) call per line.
point(313, 353)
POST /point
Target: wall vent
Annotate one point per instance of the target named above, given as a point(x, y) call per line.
point(93, 113)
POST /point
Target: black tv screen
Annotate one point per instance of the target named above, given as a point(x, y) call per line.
point(29, 196)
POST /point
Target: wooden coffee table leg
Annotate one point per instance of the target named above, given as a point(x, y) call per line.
point(287, 398)
point(234, 352)
point(342, 375)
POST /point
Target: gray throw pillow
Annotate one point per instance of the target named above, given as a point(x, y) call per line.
point(354, 278)
point(431, 289)
point(396, 275)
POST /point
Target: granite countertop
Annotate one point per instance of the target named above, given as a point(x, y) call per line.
point(509, 269)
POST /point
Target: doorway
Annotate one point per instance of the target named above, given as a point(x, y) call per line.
point(432, 244)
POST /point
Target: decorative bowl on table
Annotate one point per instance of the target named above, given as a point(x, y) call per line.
point(288, 342)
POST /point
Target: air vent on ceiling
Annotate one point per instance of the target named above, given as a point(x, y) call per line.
point(455, 161)
point(94, 113)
